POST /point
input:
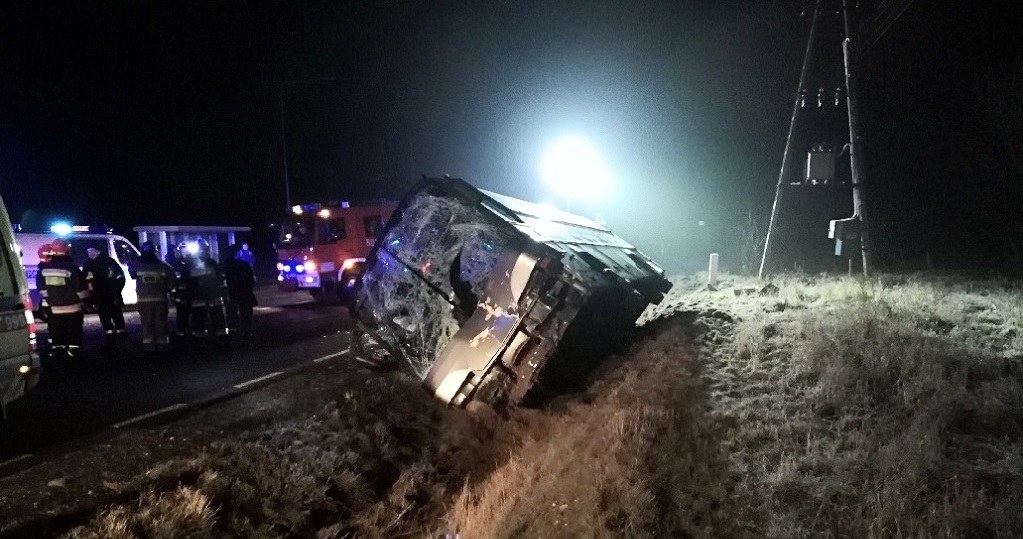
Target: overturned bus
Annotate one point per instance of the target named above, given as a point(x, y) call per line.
point(489, 298)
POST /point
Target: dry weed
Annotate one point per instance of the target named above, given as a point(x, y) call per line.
point(635, 456)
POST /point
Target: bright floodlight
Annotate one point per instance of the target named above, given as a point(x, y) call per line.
point(193, 247)
point(61, 229)
point(574, 168)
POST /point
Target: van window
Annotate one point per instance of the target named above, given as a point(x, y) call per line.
point(126, 254)
point(8, 280)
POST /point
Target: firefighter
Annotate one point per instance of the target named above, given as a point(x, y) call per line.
point(45, 252)
point(182, 291)
point(62, 287)
point(155, 279)
point(208, 312)
point(241, 299)
point(105, 280)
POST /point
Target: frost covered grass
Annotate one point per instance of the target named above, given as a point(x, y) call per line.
point(814, 406)
point(881, 407)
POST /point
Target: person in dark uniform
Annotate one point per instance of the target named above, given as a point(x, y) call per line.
point(62, 287)
point(154, 280)
point(208, 291)
point(105, 281)
point(241, 282)
point(182, 291)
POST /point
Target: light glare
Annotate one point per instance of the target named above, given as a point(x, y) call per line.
point(61, 229)
point(573, 168)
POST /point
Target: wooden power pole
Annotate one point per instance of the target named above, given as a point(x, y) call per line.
point(855, 146)
point(786, 161)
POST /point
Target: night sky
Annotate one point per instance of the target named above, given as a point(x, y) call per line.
point(136, 113)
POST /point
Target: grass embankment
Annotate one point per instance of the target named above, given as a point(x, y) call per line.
point(819, 407)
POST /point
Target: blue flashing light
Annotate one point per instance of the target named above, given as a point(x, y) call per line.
point(61, 229)
point(300, 268)
point(287, 268)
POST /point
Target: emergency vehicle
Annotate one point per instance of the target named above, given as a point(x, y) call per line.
point(19, 359)
point(81, 239)
point(322, 247)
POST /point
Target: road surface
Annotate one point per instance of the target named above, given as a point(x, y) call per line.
point(109, 390)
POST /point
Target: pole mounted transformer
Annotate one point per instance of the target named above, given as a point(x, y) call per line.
point(786, 161)
point(821, 161)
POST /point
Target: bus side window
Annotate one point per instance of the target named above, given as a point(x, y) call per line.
point(373, 225)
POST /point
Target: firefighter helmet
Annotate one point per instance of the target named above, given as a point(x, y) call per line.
point(59, 247)
point(45, 251)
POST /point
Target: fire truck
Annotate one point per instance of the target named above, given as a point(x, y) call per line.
point(322, 247)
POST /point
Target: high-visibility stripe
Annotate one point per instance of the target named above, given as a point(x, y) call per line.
point(56, 272)
point(66, 309)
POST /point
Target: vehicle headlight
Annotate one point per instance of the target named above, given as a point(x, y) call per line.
point(280, 267)
point(299, 268)
point(310, 266)
point(287, 267)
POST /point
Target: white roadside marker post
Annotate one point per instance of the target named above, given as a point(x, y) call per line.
point(712, 271)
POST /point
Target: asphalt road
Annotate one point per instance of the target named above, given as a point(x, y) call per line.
point(110, 389)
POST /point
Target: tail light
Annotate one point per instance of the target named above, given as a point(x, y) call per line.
point(30, 320)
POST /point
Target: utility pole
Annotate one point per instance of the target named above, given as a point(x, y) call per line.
point(786, 162)
point(284, 138)
point(852, 107)
point(284, 153)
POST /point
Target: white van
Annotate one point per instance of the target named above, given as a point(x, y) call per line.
point(116, 247)
point(19, 361)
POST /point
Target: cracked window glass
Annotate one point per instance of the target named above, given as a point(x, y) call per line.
point(429, 275)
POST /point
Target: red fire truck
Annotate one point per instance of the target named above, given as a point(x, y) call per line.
point(322, 247)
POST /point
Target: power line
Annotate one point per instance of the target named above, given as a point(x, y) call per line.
point(900, 9)
point(880, 21)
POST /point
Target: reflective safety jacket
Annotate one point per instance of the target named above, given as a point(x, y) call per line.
point(154, 280)
point(61, 285)
point(206, 281)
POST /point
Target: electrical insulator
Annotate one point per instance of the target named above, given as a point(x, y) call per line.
point(838, 96)
point(802, 98)
point(820, 97)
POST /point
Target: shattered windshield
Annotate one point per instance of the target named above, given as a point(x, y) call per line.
point(430, 273)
